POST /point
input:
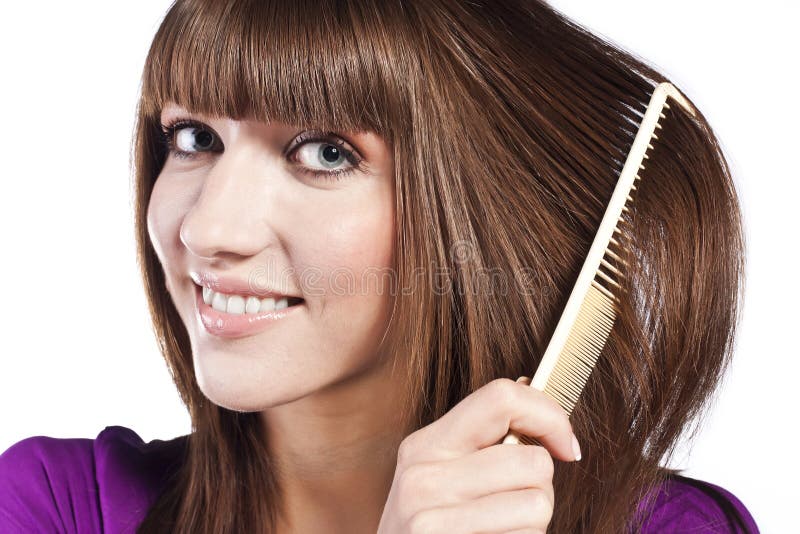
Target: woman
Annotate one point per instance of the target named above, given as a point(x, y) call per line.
point(356, 221)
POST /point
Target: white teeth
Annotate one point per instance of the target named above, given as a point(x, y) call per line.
point(267, 304)
point(219, 302)
point(253, 305)
point(239, 305)
point(236, 305)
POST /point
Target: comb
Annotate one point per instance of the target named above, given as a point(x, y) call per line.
point(593, 304)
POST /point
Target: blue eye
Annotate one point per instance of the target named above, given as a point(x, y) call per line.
point(183, 138)
point(326, 152)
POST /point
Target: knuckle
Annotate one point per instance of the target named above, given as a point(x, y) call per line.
point(418, 481)
point(559, 417)
point(556, 419)
point(406, 449)
point(424, 522)
point(539, 461)
point(502, 392)
point(541, 505)
point(563, 422)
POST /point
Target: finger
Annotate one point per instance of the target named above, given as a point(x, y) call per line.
point(495, 469)
point(499, 512)
point(485, 416)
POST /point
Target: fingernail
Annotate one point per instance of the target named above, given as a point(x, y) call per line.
point(576, 449)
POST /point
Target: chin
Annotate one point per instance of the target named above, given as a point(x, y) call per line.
point(235, 399)
point(244, 390)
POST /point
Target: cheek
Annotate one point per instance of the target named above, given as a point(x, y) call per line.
point(348, 256)
point(158, 220)
point(165, 211)
point(353, 247)
point(167, 207)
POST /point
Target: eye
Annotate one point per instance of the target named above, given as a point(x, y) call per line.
point(323, 155)
point(184, 138)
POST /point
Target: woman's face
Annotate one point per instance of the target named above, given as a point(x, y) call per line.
point(245, 207)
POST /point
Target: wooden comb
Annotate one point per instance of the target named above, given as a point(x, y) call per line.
point(589, 314)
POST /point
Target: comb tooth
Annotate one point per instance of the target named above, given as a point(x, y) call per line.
point(613, 255)
point(655, 136)
point(666, 105)
point(581, 346)
point(601, 288)
point(602, 302)
point(592, 347)
point(633, 187)
point(585, 354)
point(558, 396)
point(598, 317)
point(608, 279)
point(603, 305)
point(569, 392)
point(662, 115)
point(576, 365)
point(611, 276)
point(557, 385)
point(650, 146)
point(641, 167)
point(658, 125)
point(629, 198)
point(601, 317)
point(606, 306)
point(585, 342)
point(587, 351)
point(567, 388)
point(613, 269)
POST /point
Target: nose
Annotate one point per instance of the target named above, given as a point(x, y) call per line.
point(232, 212)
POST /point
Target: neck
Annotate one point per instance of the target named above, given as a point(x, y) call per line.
point(335, 453)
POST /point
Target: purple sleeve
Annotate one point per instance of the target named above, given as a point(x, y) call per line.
point(685, 504)
point(48, 485)
point(83, 485)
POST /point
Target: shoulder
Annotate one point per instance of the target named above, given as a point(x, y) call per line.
point(683, 504)
point(83, 484)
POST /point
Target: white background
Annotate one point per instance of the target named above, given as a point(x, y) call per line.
point(77, 352)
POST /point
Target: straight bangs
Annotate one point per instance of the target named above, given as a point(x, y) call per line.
point(314, 64)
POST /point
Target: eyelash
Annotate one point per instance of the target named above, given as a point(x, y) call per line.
point(168, 139)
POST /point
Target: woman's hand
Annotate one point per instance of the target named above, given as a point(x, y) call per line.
point(455, 476)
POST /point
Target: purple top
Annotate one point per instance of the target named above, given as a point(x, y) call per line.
point(108, 483)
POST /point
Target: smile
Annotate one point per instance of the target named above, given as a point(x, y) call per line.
point(232, 316)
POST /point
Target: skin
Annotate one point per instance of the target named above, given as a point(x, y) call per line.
point(320, 379)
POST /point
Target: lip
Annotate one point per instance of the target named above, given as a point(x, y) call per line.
point(232, 286)
point(229, 325)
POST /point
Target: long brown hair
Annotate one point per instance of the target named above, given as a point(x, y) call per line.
point(508, 124)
